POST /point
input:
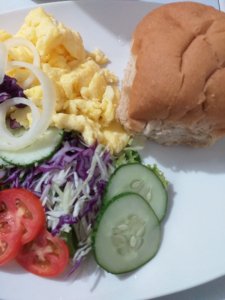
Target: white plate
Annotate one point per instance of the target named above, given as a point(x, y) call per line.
point(193, 245)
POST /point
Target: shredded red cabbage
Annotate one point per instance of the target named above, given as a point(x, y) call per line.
point(70, 184)
point(9, 89)
point(76, 156)
point(89, 206)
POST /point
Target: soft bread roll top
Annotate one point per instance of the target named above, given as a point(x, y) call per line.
point(174, 85)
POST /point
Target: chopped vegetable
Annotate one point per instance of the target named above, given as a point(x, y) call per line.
point(41, 119)
point(9, 89)
point(127, 234)
point(159, 174)
point(27, 210)
point(138, 178)
point(128, 155)
point(44, 147)
point(10, 236)
point(70, 186)
point(46, 256)
point(71, 241)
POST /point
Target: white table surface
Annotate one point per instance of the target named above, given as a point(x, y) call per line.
point(214, 290)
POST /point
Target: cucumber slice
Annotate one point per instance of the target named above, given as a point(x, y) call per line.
point(3, 163)
point(44, 147)
point(139, 179)
point(127, 234)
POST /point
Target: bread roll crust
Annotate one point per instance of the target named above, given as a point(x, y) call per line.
point(176, 93)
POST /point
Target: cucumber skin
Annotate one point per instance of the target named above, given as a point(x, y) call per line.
point(37, 162)
point(114, 173)
point(95, 229)
point(4, 164)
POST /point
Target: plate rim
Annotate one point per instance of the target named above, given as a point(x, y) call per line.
point(68, 3)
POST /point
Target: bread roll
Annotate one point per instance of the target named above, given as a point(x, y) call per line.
point(174, 85)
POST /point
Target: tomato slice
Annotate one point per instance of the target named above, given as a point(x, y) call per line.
point(10, 236)
point(46, 256)
point(28, 210)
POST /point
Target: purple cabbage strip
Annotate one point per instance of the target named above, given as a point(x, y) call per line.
point(66, 219)
point(76, 266)
point(4, 96)
point(9, 89)
point(14, 124)
point(90, 207)
point(74, 153)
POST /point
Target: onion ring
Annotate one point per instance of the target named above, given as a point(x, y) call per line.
point(5, 133)
point(48, 107)
point(15, 42)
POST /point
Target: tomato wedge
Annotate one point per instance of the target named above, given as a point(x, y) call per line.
point(10, 236)
point(46, 256)
point(28, 211)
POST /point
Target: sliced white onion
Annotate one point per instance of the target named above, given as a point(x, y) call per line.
point(48, 106)
point(4, 107)
point(15, 42)
point(3, 61)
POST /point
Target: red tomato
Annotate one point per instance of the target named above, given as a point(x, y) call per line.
point(28, 210)
point(46, 256)
point(10, 236)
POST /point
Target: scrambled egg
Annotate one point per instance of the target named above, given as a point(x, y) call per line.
point(87, 93)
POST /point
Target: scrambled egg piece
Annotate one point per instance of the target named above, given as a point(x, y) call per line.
point(87, 94)
point(4, 35)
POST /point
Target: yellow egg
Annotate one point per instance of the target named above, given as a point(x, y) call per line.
point(73, 81)
point(86, 93)
point(91, 109)
point(22, 116)
point(108, 106)
point(78, 123)
point(35, 94)
point(4, 35)
point(96, 88)
point(110, 77)
point(99, 57)
point(115, 137)
point(47, 35)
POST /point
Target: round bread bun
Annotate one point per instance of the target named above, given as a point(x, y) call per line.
point(174, 85)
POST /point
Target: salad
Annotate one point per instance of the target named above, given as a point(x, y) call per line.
point(59, 208)
point(64, 196)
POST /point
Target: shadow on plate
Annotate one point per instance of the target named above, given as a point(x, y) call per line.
point(89, 267)
point(209, 160)
point(121, 25)
point(13, 268)
point(48, 1)
point(212, 290)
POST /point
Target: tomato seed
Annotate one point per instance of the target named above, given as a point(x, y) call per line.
point(41, 262)
point(3, 247)
point(4, 227)
point(52, 248)
point(3, 207)
point(23, 209)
